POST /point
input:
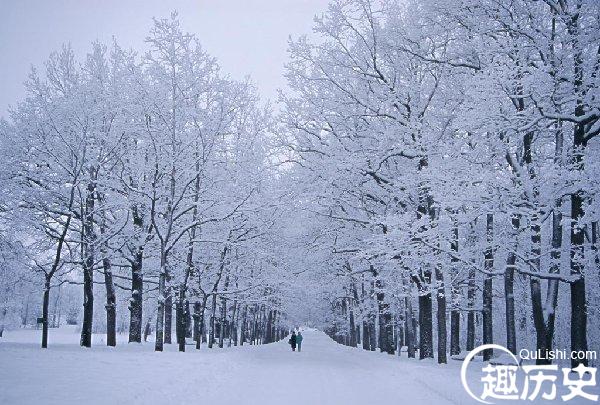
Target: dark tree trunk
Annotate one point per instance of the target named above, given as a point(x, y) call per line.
point(252, 325)
point(594, 244)
point(233, 329)
point(45, 305)
point(160, 309)
point(455, 296)
point(365, 341)
point(88, 305)
point(213, 321)
point(552, 294)
point(160, 319)
point(180, 325)
point(188, 320)
point(223, 321)
point(534, 282)
point(386, 339)
point(262, 320)
point(557, 231)
point(197, 334)
point(2, 320)
point(168, 315)
point(268, 338)
point(487, 288)
point(509, 278)
point(578, 300)
point(243, 326)
point(111, 301)
point(203, 320)
point(352, 325)
point(471, 293)
point(89, 240)
point(471, 313)
point(136, 301)
point(400, 335)
point(509, 281)
point(372, 334)
point(425, 326)
point(423, 280)
point(410, 328)
point(441, 316)
point(454, 333)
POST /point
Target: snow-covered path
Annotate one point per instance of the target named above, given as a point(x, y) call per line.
point(323, 373)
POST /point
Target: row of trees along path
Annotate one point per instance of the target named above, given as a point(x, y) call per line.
point(430, 176)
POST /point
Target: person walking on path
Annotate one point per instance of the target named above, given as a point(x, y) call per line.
point(292, 341)
point(299, 341)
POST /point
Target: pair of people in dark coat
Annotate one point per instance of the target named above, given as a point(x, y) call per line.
point(296, 340)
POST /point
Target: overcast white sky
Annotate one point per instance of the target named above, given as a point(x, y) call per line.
point(247, 36)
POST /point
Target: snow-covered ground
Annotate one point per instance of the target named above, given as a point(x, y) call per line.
point(323, 373)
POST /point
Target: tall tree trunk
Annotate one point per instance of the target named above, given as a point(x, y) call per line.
point(578, 300)
point(365, 317)
point(168, 315)
point(160, 309)
point(425, 323)
point(233, 329)
point(203, 319)
point(594, 244)
point(223, 322)
point(55, 266)
point(410, 327)
point(509, 282)
point(552, 293)
point(180, 325)
point(243, 326)
point(471, 294)
point(213, 321)
point(487, 288)
point(578, 297)
point(536, 291)
point(89, 241)
point(386, 339)
point(3, 320)
point(365, 341)
point(188, 320)
point(441, 315)
point(352, 324)
point(557, 228)
point(268, 331)
point(423, 280)
point(455, 295)
point(111, 301)
point(88, 305)
point(197, 334)
point(136, 301)
point(45, 305)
